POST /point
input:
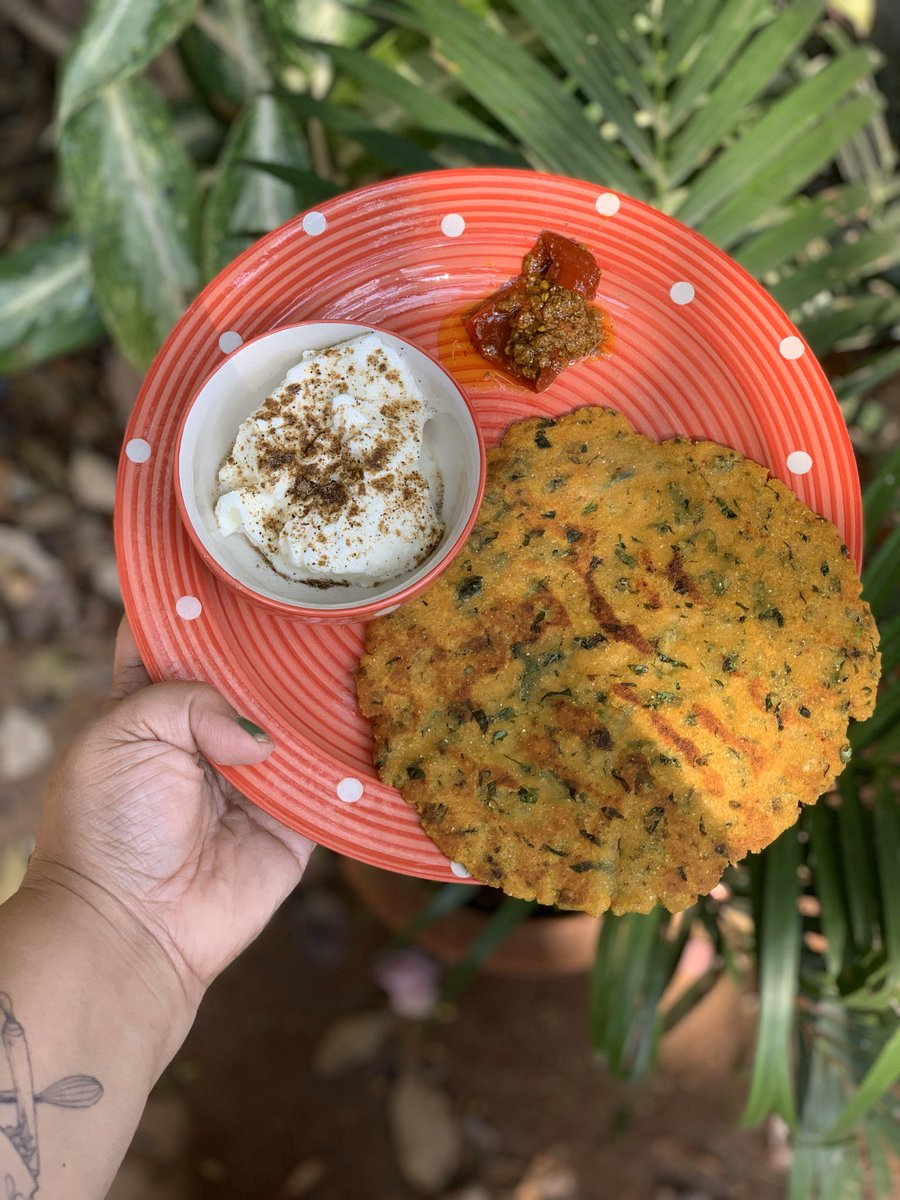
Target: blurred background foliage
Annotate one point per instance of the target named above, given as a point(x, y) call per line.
point(765, 125)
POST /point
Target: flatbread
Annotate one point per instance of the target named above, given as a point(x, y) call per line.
point(637, 670)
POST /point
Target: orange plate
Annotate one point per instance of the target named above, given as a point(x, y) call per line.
point(699, 349)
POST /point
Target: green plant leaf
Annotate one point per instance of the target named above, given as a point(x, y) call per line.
point(244, 197)
point(881, 1155)
point(521, 93)
point(444, 900)
point(855, 847)
point(134, 196)
point(686, 24)
point(650, 1021)
point(778, 931)
point(227, 55)
point(843, 266)
point(734, 22)
point(637, 955)
point(829, 883)
point(873, 996)
point(632, 58)
point(451, 126)
point(881, 1076)
point(428, 109)
point(296, 23)
point(870, 157)
point(807, 218)
point(624, 949)
point(391, 149)
point(882, 494)
point(117, 40)
point(749, 75)
point(817, 1170)
point(887, 746)
point(884, 719)
point(890, 645)
point(577, 33)
point(307, 186)
point(887, 842)
point(689, 999)
point(774, 138)
point(881, 577)
point(854, 320)
point(197, 131)
point(46, 302)
point(510, 913)
point(855, 386)
point(787, 174)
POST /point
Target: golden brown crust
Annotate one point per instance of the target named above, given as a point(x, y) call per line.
point(639, 667)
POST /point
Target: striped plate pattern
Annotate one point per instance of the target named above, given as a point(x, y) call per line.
point(699, 349)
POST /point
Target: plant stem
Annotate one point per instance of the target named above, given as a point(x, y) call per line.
point(318, 148)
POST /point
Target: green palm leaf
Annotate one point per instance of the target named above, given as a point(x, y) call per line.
point(428, 109)
point(521, 93)
point(772, 140)
point(735, 20)
point(778, 955)
point(799, 224)
point(844, 265)
point(786, 174)
point(685, 25)
point(766, 54)
point(577, 32)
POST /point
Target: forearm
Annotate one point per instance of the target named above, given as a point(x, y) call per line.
point(91, 1020)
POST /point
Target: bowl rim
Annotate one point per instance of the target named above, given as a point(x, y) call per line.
point(325, 612)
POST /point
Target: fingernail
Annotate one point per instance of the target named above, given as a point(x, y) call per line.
point(253, 730)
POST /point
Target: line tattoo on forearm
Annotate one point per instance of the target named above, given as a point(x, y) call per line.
point(20, 1163)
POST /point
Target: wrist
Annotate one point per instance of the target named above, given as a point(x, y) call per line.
point(127, 965)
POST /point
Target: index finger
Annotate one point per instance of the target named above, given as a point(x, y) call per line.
point(129, 672)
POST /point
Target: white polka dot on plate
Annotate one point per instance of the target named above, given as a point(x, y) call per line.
point(137, 450)
point(453, 225)
point(230, 340)
point(791, 347)
point(188, 608)
point(607, 204)
point(799, 462)
point(460, 871)
point(349, 790)
point(682, 292)
point(314, 223)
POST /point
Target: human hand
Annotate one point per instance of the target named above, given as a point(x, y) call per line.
point(138, 823)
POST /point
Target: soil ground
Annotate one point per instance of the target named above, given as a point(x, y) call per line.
point(279, 1095)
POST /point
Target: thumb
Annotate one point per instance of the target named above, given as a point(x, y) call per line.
point(192, 717)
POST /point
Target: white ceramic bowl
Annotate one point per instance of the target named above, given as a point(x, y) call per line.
point(236, 388)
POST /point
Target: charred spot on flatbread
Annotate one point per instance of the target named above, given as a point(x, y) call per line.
point(638, 669)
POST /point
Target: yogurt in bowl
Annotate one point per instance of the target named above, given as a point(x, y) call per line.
point(329, 470)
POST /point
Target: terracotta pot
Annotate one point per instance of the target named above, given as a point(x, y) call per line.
point(540, 946)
